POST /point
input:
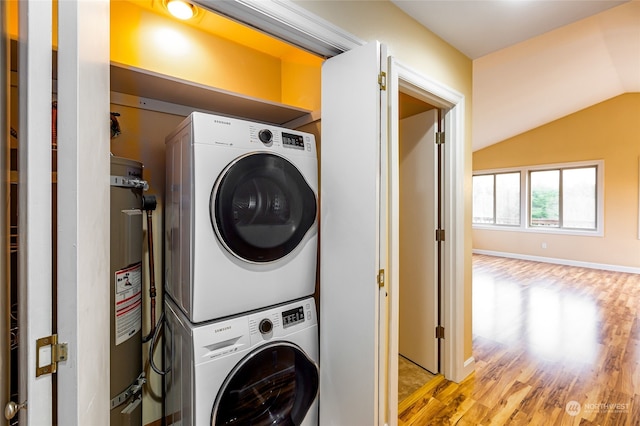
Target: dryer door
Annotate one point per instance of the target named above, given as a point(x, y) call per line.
point(274, 385)
point(261, 207)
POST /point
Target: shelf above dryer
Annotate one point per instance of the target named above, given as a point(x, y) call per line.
point(150, 90)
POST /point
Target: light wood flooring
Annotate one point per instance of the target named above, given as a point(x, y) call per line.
point(553, 345)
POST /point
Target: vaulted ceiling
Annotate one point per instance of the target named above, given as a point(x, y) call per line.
point(537, 61)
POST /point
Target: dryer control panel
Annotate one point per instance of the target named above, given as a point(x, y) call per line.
point(294, 141)
point(292, 317)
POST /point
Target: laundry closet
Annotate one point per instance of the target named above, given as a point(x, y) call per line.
point(162, 69)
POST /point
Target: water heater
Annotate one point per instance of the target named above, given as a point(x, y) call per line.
point(126, 379)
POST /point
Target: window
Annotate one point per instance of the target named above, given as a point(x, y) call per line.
point(496, 199)
point(564, 198)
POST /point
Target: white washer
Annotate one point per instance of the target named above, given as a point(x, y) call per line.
point(256, 369)
point(241, 216)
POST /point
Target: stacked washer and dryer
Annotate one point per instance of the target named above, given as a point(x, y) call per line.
point(241, 334)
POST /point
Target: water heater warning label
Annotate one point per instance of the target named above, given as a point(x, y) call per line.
point(128, 302)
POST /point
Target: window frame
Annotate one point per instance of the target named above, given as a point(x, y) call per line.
point(525, 198)
point(495, 204)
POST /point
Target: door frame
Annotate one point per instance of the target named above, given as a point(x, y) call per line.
point(404, 79)
point(83, 211)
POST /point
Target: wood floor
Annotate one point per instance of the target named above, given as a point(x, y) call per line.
point(553, 345)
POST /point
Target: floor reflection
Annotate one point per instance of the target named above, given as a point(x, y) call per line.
point(552, 345)
point(548, 319)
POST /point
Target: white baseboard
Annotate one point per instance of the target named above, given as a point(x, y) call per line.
point(461, 373)
point(603, 266)
point(469, 366)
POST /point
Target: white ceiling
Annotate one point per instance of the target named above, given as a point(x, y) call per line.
point(525, 72)
point(480, 27)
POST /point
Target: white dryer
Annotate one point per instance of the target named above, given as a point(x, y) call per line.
point(241, 216)
point(256, 369)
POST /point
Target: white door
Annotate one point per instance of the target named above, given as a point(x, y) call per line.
point(418, 255)
point(352, 306)
point(82, 216)
point(34, 222)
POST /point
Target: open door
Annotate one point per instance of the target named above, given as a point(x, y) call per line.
point(418, 246)
point(353, 305)
point(34, 399)
point(80, 324)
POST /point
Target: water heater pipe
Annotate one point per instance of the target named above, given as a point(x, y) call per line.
point(149, 204)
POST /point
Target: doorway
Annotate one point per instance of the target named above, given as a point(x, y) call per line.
point(418, 358)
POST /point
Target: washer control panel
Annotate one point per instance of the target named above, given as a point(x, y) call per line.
point(278, 322)
point(265, 326)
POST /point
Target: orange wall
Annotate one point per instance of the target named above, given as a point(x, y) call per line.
point(608, 131)
point(156, 42)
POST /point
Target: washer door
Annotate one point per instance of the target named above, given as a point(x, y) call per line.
point(274, 385)
point(261, 207)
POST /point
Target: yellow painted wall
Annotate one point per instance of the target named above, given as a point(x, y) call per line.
point(157, 43)
point(420, 49)
point(146, 39)
point(12, 18)
point(608, 131)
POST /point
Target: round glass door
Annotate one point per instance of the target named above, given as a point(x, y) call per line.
point(275, 385)
point(261, 207)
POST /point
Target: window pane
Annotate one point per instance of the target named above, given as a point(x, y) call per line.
point(483, 199)
point(579, 198)
point(545, 195)
point(508, 199)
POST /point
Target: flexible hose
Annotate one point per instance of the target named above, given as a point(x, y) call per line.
point(149, 205)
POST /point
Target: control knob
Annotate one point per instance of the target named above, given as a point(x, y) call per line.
point(265, 326)
point(265, 135)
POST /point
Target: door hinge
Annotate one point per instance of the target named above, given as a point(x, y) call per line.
point(439, 235)
point(382, 80)
point(439, 332)
point(439, 138)
point(381, 278)
point(58, 353)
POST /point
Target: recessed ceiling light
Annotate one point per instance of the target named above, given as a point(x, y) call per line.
point(181, 9)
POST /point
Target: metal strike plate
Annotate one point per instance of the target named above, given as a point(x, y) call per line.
point(58, 353)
